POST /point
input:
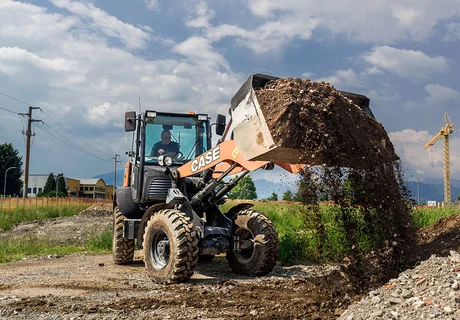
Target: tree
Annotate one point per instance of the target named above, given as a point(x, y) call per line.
point(245, 189)
point(273, 197)
point(50, 185)
point(9, 157)
point(287, 195)
point(62, 189)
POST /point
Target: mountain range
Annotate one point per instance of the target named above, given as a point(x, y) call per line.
point(430, 188)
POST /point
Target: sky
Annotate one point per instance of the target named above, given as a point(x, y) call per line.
point(85, 63)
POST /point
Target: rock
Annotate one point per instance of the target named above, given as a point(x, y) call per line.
point(377, 314)
point(406, 294)
point(396, 300)
point(253, 312)
point(418, 304)
point(376, 300)
point(455, 286)
point(448, 310)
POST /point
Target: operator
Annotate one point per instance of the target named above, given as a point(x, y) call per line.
point(165, 146)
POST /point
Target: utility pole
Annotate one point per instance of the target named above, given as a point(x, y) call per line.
point(418, 191)
point(115, 172)
point(28, 134)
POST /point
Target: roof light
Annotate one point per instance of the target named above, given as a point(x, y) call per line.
point(151, 114)
point(191, 112)
point(202, 117)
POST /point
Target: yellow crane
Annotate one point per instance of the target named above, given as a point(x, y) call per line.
point(446, 129)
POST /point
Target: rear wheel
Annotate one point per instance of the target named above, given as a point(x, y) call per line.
point(259, 258)
point(170, 247)
point(122, 249)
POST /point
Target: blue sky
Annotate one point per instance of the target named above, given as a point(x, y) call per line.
point(87, 62)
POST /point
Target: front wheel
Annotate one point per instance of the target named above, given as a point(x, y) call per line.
point(170, 247)
point(259, 258)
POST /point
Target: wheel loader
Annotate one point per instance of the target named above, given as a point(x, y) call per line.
point(169, 203)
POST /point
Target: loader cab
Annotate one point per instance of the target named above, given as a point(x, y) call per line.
point(182, 136)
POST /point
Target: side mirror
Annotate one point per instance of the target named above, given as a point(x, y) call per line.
point(221, 122)
point(130, 121)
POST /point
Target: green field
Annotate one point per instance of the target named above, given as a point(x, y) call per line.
point(301, 241)
point(305, 236)
point(8, 218)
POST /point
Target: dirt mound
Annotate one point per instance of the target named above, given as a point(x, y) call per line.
point(324, 126)
point(440, 238)
point(98, 209)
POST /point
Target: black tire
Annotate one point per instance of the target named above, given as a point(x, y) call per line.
point(122, 249)
point(170, 247)
point(206, 258)
point(261, 258)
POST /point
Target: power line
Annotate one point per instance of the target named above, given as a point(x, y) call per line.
point(75, 135)
point(69, 143)
point(8, 110)
point(17, 100)
point(41, 110)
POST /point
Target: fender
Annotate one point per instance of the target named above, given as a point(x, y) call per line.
point(233, 212)
point(125, 202)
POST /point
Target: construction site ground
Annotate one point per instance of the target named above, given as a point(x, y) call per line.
point(82, 286)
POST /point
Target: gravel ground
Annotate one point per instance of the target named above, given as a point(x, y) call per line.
point(84, 286)
point(430, 290)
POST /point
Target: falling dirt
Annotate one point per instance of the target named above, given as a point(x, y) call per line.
point(357, 170)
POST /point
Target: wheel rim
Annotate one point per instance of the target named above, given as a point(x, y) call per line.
point(245, 234)
point(159, 249)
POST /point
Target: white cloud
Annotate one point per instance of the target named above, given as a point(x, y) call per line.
point(201, 16)
point(406, 63)
point(377, 22)
point(409, 145)
point(438, 94)
point(308, 75)
point(151, 4)
point(131, 36)
point(87, 85)
point(16, 60)
point(453, 32)
point(345, 78)
point(200, 51)
point(107, 112)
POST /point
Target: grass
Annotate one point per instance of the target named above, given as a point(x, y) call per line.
point(27, 214)
point(27, 247)
point(306, 237)
point(424, 217)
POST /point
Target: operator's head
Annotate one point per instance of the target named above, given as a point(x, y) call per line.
point(165, 137)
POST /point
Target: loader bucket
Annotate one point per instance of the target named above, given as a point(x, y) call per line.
point(250, 130)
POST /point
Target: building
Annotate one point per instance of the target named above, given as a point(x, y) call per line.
point(80, 188)
point(36, 184)
point(73, 187)
point(92, 188)
point(109, 192)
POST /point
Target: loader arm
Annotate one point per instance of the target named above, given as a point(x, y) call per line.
point(223, 156)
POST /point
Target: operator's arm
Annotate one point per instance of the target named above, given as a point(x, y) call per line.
point(154, 152)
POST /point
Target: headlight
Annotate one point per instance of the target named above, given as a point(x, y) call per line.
point(168, 160)
point(165, 161)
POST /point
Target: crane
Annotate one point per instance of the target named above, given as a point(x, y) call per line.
point(446, 129)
